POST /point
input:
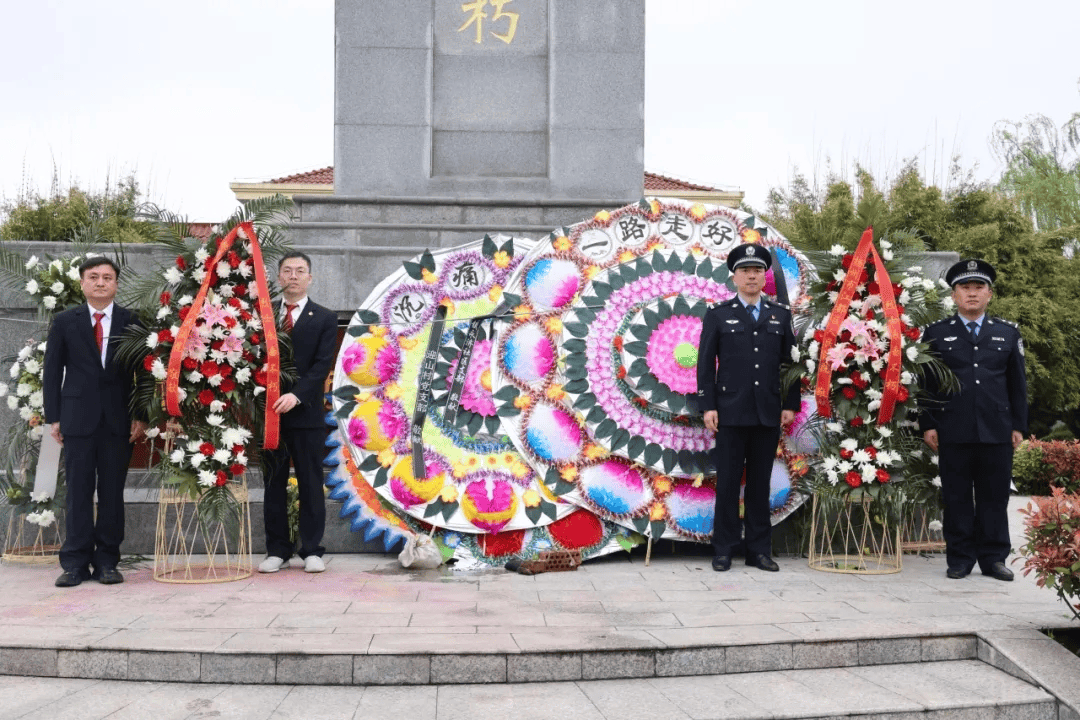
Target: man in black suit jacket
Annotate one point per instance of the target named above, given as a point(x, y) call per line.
point(976, 430)
point(87, 395)
point(744, 342)
point(303, 423)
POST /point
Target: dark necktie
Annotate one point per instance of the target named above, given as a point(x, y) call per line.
point(752, 309)
point(288, 317)
point(974, 328)
point(99, 332)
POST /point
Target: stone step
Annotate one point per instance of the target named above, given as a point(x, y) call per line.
point(930, 690)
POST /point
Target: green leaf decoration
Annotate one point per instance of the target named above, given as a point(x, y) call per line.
point(370, 463)
point(670, 459)
point(574, 346)
point(413, 269)
point(344, 410)
point(380, 477)
point(651, 318)
point(508, 411)
point(644, 205)
point(648, 383)
point(597, 414)
point(448, 353)
point(491, 424)
point(616, 281)
point(508, 247)
point(638, 368)
point(577, 359)
point(689, 266)
point(585, 315)
point(586, 401)
point(533, 513)
point(439, 383)
point(512, 299)
point(641, 524)
point(681, 307)
point(699, 309)
point(368, 317)
point(657, 261)
point(605, 428)
point(475, 423)
point(705, 268)
point(449, 509)
point(636, 446)
point(562, 487)
point(663, 309)
point(643, 267)
point(548, 509)
point(577, 329)
point(628, 272)
point(576, 373)
point(641, 332)
point(653, 453)
point(576, 386)
point(434, 508)
point(489, 247)
point(637, 348)
point(357, 331)
point(346, 392)
point(676, 402)
point(552, 476)
point(656, 529)
point(619, 439)
point(703, 461)
point(721, 275)
point(686, 459)
point(625, 542)
point(601, 290)
point(459, 337)
point(507, 393)
point(749, 221)
point(427, 261)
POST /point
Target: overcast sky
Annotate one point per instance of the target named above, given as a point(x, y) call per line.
point(195, 94)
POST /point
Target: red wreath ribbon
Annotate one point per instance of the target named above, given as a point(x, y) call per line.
point(866, 251)
point(271, 429)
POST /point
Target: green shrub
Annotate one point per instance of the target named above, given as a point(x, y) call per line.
point(1052, 551)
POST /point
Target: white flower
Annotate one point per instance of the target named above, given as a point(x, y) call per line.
point(849, 444)
point(886, 255)
point(834, 427)
point(833, 476)
point(795, 354)
point(202, 255)
point(163, 312)
point(905, 297)
point(151, 340)
point(41, 347)
point(244, 433)
point(215, 380)
point(906, 319)
point(45, 518)
point(241, 459)
point(194, 376)
point(910, 280)
point(31, 366)
point(912, 353)
point(873, 405)
point(231, 437)
point(936, 481)
point(25, 351)
point(199, 275)
point(36, 433)
point(185, 300)
point(861, 457)
point(811, 366)
point(884, 431)
point(173, 276)
point(215, 420)
point(40, 497)
point(839, 275)
point(934, 459)
point(153, 432)
point(259, 390)
point(245, 271)
point(158, 370)
point(833, 295)
point(222, 456)
point(193, 446)
point(73, 273)
point(49, 302)
point(223, 269)
point(869, 473)
point(934, 526)
point(829, 463)
point(3, 389)
point(23, 389)
point(837, 250)
point(36, 399)
point(844, 381)
point(177, 456)
point(57, 264)
point(844, 466)
point(928, 285)
point(15, 371)
point(226, 291)
point(57, 287)
point(217, 356)
point(948, 304)
point(206, 478)
point(812, 348)
point(196, 459)
point(32, 262)
point(877, 364)
point(26, 413)
point(12, 402)
point(32, 287)
point(906, 378)
point(216, 406)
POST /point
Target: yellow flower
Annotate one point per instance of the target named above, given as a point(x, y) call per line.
point(492, 460)
point(408, 343)
point(292, 480)
point(448, 494)
point(362, 397)
point(522, 401)
point(555, 392)
point(593, 451)
point(654, 206)
point(501, 259)
point(519, 469)
point(427, 276)
point(654, 245)
point(697, 212)
point(568, 473)
point(522, 313)
point(460, 470)
point(662, 485)
point(561, 243)
point(751, 236)
point(386, 457)
point(590, 271)
point(699, 480)
point(657, 512)
point(449, 305)
point(495, 293)
point(509, 458)
point(485, 379)
point(393, 391)
point(377, 330)
point(626, 256)
point(553, 325)
point(602, 216)
point(531, 498)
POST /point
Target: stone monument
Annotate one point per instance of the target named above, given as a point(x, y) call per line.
point(453, 119)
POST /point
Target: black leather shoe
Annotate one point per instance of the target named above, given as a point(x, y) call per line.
point(998, 571)
point(955, 573)
point(109, 576)
point(69, 578)
point(763, 562)
point(720, 563)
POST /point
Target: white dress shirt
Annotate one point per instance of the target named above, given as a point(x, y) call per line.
point(106, 327)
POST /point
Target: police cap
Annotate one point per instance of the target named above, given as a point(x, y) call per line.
point(971, 271)
point(749, 255)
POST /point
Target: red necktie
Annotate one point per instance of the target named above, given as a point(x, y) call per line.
point(288, 317)
point(99, 332)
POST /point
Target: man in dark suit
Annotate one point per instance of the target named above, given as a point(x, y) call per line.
point(87, 395)
point(975, 430)
point(744, 342)
point(303, 423)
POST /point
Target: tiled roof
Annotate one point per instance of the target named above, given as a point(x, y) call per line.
point(653, 181)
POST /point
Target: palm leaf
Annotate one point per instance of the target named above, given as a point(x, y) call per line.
point(13, 272)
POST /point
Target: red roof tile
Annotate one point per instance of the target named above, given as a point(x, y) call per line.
point(653, 181)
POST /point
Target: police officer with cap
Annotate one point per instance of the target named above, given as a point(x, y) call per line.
point(744, 342)
point(974, 431)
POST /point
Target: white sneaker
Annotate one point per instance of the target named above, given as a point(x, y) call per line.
point(314, 564)
point(272, 564)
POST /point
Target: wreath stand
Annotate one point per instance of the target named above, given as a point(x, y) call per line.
point(854, 534)
point(28, 544)
point(916, 535)
point(186, 551)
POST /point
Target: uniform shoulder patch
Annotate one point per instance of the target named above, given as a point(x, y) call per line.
point(1003, 320)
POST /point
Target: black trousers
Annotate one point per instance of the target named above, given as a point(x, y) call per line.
point(752, 447)
point(94, 462)
point(306, 447)
point(975, 494)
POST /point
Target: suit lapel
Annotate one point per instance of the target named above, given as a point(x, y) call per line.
point(84, 328)
point(119, 322)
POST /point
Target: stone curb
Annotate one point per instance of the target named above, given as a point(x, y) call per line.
point(1037, 659)
point(294, 668)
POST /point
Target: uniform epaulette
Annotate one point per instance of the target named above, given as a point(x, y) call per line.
point(995, 318)
point(938, 322)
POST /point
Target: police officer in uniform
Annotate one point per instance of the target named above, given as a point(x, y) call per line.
point(976, 430)
point(744, 342)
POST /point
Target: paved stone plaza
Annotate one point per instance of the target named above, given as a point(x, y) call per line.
point(615, 639)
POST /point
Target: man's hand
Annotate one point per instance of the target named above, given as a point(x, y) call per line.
point(285, 403)
point(930, 438)
point(787, 417)
point(55, 432)
point(138, 430)
point(1017, 438)
point(712, 420)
